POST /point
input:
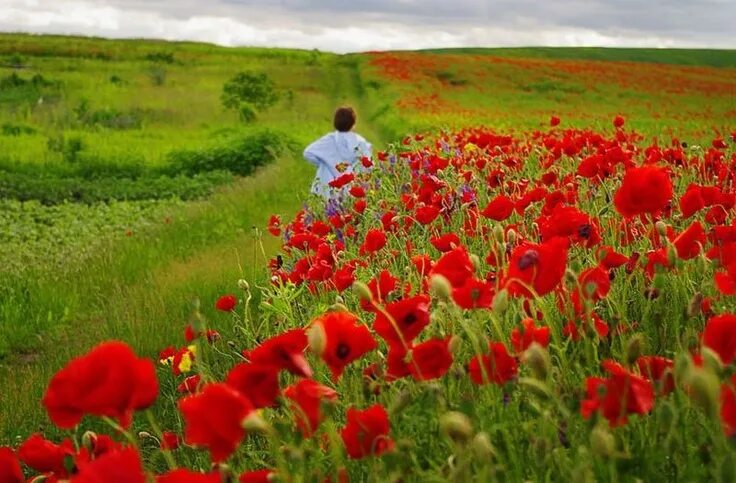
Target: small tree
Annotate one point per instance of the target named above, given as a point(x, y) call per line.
point(249, 92)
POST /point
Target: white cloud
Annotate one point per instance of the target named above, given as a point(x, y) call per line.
point(342, 31)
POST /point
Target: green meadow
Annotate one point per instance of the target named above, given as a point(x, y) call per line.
point(128, 192)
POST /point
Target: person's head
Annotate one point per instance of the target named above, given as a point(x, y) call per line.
point(344, 118)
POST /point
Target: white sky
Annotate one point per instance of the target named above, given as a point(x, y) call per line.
point(356, 25)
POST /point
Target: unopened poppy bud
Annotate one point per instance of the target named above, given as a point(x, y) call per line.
point(231, 344)
point(88, 440)
point(500, 302)
point(711, 359)
point(243, 285)
point(338, 308)
point(602, 442)
point(475, 260)
point(144, 435)
point(571, 276)
point(400, 402)
point(661, 227)
point(671, 255)
point(440, 287)
point(292, 454)
point(498, 234)
point(482, 447)
point(316, 338)
point(537, 358)
point(254, 423)
point(536, 387)
point(339, 300)
point(694, 307)
point(456, 426)
point(511, 236)
point(362, 291)
point(704, 390)
point(634, 348)
point(454, 344)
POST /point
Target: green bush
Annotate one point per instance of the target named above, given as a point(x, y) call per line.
point(9, 129)
point(248, 93)
point(240, 156)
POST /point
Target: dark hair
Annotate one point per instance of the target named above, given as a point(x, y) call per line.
point(344, 118)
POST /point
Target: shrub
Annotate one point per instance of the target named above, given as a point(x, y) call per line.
point(249, 92)
point(240, 156)
point(9, 129)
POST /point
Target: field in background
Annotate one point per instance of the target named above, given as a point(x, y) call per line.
point(129, 104)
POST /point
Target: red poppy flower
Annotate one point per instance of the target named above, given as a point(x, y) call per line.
point(308, 396)
point(618, 121)
point(214, 419)
point(342, 180)
point(569, 222)
point(426, 214)
point(446, 242)
point(284, 351)
point(499, 208)
point(107, 381)
point(366, 432)
point(257, 382)
point(610, 258)
point(659, 370)
point(45, 456)
point(691, 201)
point(539, 267)
point(644, 190)
point(117, 466)
point(170, 440)
point(10, 471)
point(189, 385)
point(257, 476)
point(522, 338)
point(455, 266)
point(430, 360)
point(690, 242)
point(410, 316)
point(374, 241)
point(720, 335)
point(728, 406)
point(187, 476)
point(554, 121)
point(226, 303)
point(620, 394)
point(274, 225)
point(345, 340)
point(474, 294)
point(726, 280)
point(497, 367)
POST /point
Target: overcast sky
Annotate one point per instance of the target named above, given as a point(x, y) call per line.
point(356, 25)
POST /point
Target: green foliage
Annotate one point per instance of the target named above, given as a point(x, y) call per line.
point(161, 57)
point(248, 92)
point(240, 156)
point(157, 75)
point(10, 129)
point(16, 89)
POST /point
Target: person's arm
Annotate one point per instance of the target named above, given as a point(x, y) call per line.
point(311, 153)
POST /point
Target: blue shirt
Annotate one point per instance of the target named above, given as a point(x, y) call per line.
point(331, 150)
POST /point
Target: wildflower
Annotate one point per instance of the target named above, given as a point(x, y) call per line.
point(284, 351)
point(257, 382)
point(720, 336)
point(108, 381)
point(497, 367)
point(226, 303)
point(367, 432)
point(307, 397)
point(346, 340)
point(644, 190)
point(618, 395)
point(407, 316)
point(539, 267)
point(10, 470)
point(522, 338)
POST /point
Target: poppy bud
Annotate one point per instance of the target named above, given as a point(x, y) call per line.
point(337, 308)
point(661, 227)
point(671, 255)
point(456, 426)
point(634, 348)
point(511, 236)
point(537, 358)
point(243, 285)
point(475, 260)
point(602, 442)
point(231, 344)
point(339, 300)
point(704, 390)
point(500, 302)
point(362, 291)
point(88, 440)
point(694, 306)
point(454, 345)
point(711, 359)
point(571, 276)
point(254, 423)
point(316, 338)
point(400, 402)
point(144, 435)
point(482, 447)
point(536, 387)
point(440, 287)
point(498, 234)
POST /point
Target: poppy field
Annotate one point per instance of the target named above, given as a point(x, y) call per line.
point(521, 284)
